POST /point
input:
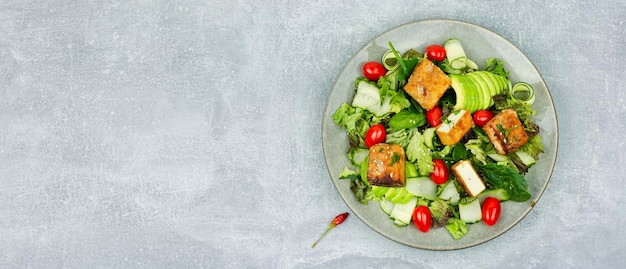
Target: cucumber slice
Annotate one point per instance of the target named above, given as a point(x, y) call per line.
point(429, 138)
point(455, 54)
point(523, 92)
point(500, 194)
point(470, 211)
point(498, 157)
point(450, 193)
point(386, 206)
point(471, 64)
point(402, 213)
point(410, 170)
point(525, 158)
point(358, 155)
point(390, 61)
point(422, 187)
point(367, 97)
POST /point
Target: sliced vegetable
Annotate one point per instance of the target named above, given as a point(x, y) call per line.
point(402, 213)
point(390, 61)
point(386, 206)
point(523, 92)
point(421, 187)
point(455, 53)
point(450, 193)
point(469, 210)
point(500, 194)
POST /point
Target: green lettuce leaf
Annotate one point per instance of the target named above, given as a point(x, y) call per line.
point(417, 152)
point(456, 227)
point(496, 66)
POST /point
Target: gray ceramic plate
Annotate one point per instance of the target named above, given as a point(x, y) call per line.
point(479, 44)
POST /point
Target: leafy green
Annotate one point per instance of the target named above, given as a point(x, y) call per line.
point(400, 137)
point(456, 227)
point(533, 147)
point(459, 152)
point(496, 66)
point(417, 152)
point(440, 212)
point(406, 65)
point(498, 176)
point(378, 98)
point(348, 173)
point(361, 191)
point(407, 119)
point(354, 120)
point(475, 146)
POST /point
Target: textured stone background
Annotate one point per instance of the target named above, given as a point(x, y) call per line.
point(186, 134)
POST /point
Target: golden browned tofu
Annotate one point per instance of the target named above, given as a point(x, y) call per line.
point(506, 132)
point(427, 84)
point(454, 127)
point(386, 165)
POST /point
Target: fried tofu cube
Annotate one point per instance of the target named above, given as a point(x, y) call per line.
point(386, 165)
point(468, 177)
point(454, 127)
point(427, 84)
point(506, 132)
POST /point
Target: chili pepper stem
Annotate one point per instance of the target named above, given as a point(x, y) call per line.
point(332, 225)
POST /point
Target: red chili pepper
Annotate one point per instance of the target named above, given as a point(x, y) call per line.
point(336, 221)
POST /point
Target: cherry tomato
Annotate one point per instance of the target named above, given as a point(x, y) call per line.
point(433, 116)
point(374, 70)
point(376, 134)
point(491, 210)
point(481, 117)
point(435, 52)
point(422, 218)
point(440, 172)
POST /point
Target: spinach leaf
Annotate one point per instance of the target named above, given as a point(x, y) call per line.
point(499, 176)
point(407, 119)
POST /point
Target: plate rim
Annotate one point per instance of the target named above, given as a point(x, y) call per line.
point(349, 195)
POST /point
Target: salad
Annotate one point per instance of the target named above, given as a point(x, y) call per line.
point(438, 141)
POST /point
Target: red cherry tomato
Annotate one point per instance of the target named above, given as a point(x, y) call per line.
point(481, 117)
point(440, 172)
point(433, 116)
point(422, 218)
point(376, 134)
point(374, 70)
point(491, 210)
point(435, 52)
